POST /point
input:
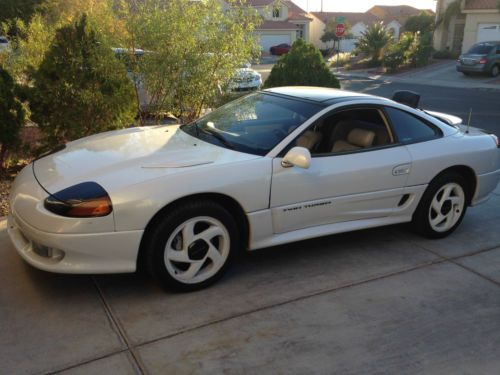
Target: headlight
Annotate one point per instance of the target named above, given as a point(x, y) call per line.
point(88, 199)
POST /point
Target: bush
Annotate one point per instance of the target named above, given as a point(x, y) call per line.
point(414, 49)
point(80, 88)
point(302, 66)
point(12, 115)
point(394, 58)
point(445, 54)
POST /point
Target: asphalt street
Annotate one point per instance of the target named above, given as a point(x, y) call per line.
point(485, 103)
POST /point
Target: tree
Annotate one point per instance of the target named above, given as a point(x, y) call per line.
point(303, 65)
point(31, 39)
point(21, 9)
point(80, 87)
point(374, 41)
point(453, 9)
point(422, 23)
point(192, 50)
point(12, 115)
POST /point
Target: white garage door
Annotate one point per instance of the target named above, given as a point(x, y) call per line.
point(488, 32)
point(267, 41)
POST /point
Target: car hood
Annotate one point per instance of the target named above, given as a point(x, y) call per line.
point(125, 157)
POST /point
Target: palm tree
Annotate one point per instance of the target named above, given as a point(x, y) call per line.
point(453, 9)
point(374, 41)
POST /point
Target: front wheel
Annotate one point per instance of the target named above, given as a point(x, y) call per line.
point(192, 246)
point(442, 206)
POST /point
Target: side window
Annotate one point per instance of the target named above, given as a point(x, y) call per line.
point(347, 131)
point(409, 128)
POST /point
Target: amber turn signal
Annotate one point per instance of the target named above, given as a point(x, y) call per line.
point(91, 208)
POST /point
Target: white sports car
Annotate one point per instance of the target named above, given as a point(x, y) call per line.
point(273, 167)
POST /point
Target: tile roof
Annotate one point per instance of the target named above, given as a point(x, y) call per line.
point(400, 13)
point(277, 25)
point(296, 13)
point(351, 17)
point(480, 4)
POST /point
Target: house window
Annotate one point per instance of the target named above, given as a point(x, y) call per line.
point(276, 12)
point(300, 31)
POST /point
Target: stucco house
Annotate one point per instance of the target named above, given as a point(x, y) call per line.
point(477, 21)
point(283, 22)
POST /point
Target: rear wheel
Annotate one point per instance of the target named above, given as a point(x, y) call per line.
point(466, 73)
point(192, 246)
point(442, 206)
point(495, 70)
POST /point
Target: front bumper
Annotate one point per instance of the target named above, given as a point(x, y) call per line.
point(113, 252)
point(67, 245)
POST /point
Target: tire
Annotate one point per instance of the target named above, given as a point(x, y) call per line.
point(442, 207)
point(466, 73)
point(495, 70)
point(192, 246)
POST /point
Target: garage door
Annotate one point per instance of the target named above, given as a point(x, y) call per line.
point(267, 41)
point(488, 32)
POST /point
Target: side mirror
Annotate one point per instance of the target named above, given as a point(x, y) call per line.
point(298, 157)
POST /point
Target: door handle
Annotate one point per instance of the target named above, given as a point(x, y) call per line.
point(401, 170)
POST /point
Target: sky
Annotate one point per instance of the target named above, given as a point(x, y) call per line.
point(360, 5)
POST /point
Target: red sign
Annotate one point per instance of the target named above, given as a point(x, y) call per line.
point(339, 30)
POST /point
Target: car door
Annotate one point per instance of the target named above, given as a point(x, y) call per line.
point(353, 182)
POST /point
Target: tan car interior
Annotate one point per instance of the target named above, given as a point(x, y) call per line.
point(346, 131)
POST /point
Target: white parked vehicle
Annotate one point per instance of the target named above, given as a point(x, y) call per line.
point(245, 79)
point(4, 44)
point(273, 167)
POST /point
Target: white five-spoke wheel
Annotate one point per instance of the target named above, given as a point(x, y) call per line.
point(447, 206)
point(191, 245)
point(197, 249)
point(442, 207)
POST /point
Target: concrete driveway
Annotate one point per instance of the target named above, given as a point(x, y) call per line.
point(377, 301)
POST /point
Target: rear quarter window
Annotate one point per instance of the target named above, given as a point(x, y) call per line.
point(409, 128)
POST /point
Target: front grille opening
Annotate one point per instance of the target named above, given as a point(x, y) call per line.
point(47, 252)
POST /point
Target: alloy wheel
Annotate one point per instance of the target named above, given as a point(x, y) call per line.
point(446, 207)
point(197, 249)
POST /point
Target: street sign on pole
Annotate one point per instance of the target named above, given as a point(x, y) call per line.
point(340, 19)
point(339, 30)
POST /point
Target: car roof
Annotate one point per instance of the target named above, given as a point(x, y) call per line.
point(323, 95)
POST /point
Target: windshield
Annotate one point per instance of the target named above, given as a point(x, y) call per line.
point(254, 124)
point(481, 49)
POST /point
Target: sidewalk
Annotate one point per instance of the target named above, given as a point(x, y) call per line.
point(440, 74)
point(375, 301)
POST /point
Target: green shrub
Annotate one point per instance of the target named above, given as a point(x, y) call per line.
point(12, 115)
point(423, 50)
point(303, 65)
point(393, 59)
point(445, 54)
point(80, 88)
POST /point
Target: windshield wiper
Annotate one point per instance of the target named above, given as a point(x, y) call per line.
point(217, 135)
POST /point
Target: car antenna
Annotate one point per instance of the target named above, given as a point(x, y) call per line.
point(468, 122)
